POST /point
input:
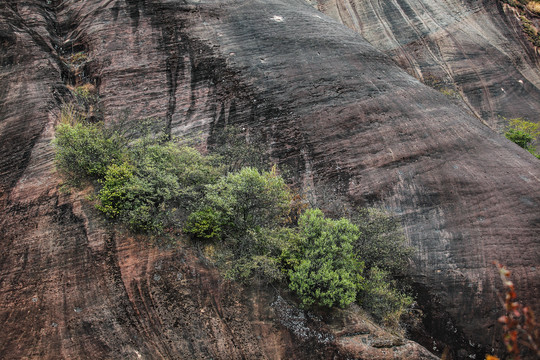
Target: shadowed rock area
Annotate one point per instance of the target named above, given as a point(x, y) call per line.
point(340, 114)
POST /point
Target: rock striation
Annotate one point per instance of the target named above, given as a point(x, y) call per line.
point(473, 51)
point(338, 113)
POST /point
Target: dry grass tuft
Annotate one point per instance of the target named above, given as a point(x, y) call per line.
point(534, 7)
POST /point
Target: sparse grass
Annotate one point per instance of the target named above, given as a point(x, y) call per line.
point(70, 115)
point(451, 93)
point(78, 58)
point(85, 91)
point(534, 7)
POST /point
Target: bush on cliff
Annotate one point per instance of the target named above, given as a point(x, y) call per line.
point(523, 133)
point(151, 184)
point(143, 183)
point(85, 151)
point(381, 242)
point(242, 210)
point(381, 297)
point(167, 180)
point(325, 270)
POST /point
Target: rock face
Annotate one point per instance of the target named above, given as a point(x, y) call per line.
point(474, 51)
point(338, 113)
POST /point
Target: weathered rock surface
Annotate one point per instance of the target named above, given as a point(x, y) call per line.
point(474, 51)
point(334, 110)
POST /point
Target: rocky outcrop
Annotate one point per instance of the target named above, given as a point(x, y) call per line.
point(336, 112)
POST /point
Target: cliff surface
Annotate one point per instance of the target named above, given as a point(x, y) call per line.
point(473, 51)
point(337, 112)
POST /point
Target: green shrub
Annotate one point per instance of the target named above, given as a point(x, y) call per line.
point(381, 298)
point(83, 151)
point(248, 200)
point(143, 183)
point(523, 133)
point(382, 242)
point(260, 254)
point(325, 271)
point(245, 210)
point(204, 224)
point(519, 137)
point(167, 180)
point(114, 193)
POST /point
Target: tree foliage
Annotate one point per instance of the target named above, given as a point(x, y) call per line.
point(325, 272)
point(249, 199)
point(83, 150)
point(245, 211)
point(381, 297)
point(144, 182)
point(382, 242)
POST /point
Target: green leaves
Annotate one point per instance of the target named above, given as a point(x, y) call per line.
point(204, 224)
point(326, 272)
point(151, 184)
point(245, 210)
point(83, 150)
point(114, 193)
point(382, 242)
point(143, 183)
point(382, 298)
point(523, 133)
point(249, 199)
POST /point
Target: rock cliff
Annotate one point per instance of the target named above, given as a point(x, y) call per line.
point(473, 51)
point(334, 110)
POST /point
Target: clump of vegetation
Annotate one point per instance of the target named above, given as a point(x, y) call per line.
point(247, 218)
point(523, 133)
point(242, 210)
point(78, 58)
point(143, 182)
point(444, 86)
point(525, 8)
point(158, 183)
point(534, 7)
point(451, 93)
point(85, 150)
point(382, 298)
point(325, 271)
point(381, 241)
point(530, 30)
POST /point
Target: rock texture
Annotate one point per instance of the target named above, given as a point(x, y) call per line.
point(337, 112)
point(474, 51)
